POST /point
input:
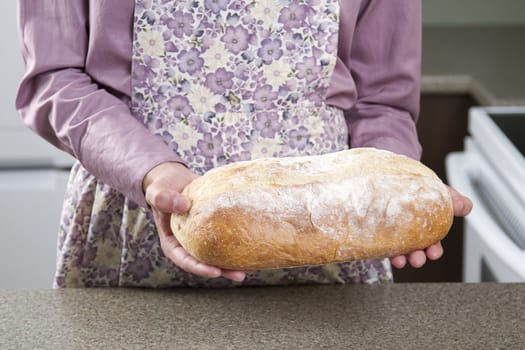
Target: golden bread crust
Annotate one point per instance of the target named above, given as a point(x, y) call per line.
point(285, 212)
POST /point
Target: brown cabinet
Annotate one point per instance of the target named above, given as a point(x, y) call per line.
point(442, 127)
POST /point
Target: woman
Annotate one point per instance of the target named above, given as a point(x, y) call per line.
point(150, 94)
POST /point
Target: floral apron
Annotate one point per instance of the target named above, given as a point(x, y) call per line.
point(219, 81)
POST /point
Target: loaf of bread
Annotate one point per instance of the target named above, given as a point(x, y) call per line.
point(287, 212)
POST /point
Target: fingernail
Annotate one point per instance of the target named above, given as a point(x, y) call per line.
point(240, 278)
point(175, 203)
point(180, 204)
point(458, 206)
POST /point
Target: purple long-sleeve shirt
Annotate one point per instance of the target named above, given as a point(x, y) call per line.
point(77, 84)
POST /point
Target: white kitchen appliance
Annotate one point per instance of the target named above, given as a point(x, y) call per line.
point(33, 176)
point(491, 171)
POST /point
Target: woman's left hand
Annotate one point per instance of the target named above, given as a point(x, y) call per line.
point(163, 186)
point(462, 207)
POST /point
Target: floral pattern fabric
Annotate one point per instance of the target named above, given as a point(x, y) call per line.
point(240, 77)
point(219, 81)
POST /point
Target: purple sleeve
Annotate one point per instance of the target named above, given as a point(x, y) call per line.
point(385, 63)
point(62, 103)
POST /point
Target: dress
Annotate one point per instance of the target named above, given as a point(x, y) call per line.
point(218, 81)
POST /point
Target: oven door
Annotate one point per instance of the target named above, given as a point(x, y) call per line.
point(494, 246)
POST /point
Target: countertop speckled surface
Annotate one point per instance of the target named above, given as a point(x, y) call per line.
point(486, 62)
point(407, 316)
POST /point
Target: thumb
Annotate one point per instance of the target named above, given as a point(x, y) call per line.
point(462, 205)
point(167, 201)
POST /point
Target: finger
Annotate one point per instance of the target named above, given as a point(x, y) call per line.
point(185, 261)
point(399, 261)
point(181, 204)
point(417, 258)
point(462, 205)
point(435, 251)
point(167, 201)
point(237, 276)
point(175, 252)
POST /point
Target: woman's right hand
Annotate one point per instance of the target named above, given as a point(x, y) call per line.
point(163, 186)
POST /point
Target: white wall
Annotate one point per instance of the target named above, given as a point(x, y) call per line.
point(11, 68)
point(30, 196)
point(474, 12)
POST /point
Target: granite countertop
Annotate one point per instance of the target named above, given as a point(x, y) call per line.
point(429, 316)
point(486, 62)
